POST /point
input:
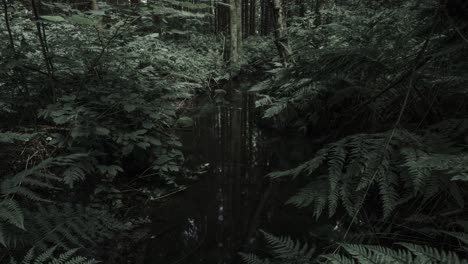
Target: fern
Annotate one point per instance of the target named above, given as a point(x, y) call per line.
point(37, 177)
point(275, 109)
point(336, 259)
point(425, 254)
point(10, 213)
point(409, 253)
point(68, 257)
point(253, 259)
point(283, 250)
point(461, 236)
point(313, 194)
point(360, 163)
point(287, 249)
point(70, 226)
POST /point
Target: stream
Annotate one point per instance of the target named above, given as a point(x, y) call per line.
point(220, 214)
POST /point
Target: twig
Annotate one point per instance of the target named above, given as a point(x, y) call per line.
point(7, 22)
point(41, 39)
point(109, 42)
point(412, 73)
point(44, 48)
point(395, 83)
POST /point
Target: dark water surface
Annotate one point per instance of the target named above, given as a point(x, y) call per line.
point(221, 213)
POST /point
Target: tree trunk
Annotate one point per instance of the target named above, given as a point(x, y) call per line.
point(245, 18)
point(253, 13)
point(222, 16)
point(281, 35)
point(94, 5)
point(235, 33)
point(302, 8)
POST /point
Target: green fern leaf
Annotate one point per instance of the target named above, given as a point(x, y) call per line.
point(286, 248)
point(11, 212)
point(253, 259)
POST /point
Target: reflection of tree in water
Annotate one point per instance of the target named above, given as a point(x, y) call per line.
point(227, 138)
point(223, 209)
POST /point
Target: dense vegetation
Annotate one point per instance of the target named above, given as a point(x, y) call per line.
point(90, 97)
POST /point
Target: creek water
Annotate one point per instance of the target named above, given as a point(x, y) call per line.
point(220, 214)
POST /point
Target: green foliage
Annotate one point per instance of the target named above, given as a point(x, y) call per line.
point(408, 253)
point(289, 250)
point(253, 259)
point(10, 213)
point(382, 90)
point(70, 226)
point(23, 183)
point(25, 220)
point(283, 250)
point(47, 256)
point(107, 83)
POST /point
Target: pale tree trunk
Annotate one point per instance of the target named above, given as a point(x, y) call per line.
point(281, 35)
point(235, 32)
point(94, 5)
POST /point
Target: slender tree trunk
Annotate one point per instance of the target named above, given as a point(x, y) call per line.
point(235, 33)
point(245, 18)
point(281, 35)
point(94, 5)
point(43, 42)
point(253, 13)
point(302, 7)
point(7, 23)
point(318, 14)
point(266, 17)
point(222, 16)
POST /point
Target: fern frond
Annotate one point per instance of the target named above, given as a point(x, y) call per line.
point(253, 259)
point(24, 182)
point(336, 259)
point(11, 213)
point(286, 248)
point(73, 174)
point(313, 194)
point(360, 163)
point(47, 257)
point(425, 254)
point(70, 226)
point(410, 253)
point(461, 236)
point(275, 109)
point(418, 174)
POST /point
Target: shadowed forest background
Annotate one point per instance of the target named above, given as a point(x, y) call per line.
point(234, 131)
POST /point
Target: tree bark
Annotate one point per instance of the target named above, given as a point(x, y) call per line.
point(235, 33)
point(265, 17)
point(245, 18)
point(253, 13)
point(94, 5)
point(222, 10)
point(281, 35)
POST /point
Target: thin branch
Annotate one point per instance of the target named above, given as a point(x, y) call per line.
point(41, 39)
point(109, 42)
point(412, 74)
point(7, 23)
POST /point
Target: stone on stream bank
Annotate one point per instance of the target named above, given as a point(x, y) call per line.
point(184, 122)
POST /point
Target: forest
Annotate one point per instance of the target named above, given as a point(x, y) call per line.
point(234, 131)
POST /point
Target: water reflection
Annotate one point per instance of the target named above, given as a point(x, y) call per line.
point(220, 215)
point(228, 138)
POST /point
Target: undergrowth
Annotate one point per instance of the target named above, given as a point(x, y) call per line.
point(383, 91)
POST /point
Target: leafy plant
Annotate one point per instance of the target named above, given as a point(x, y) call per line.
point(48, 257)
point(390, 126)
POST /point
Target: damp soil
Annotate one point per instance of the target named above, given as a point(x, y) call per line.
point(221, 213)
